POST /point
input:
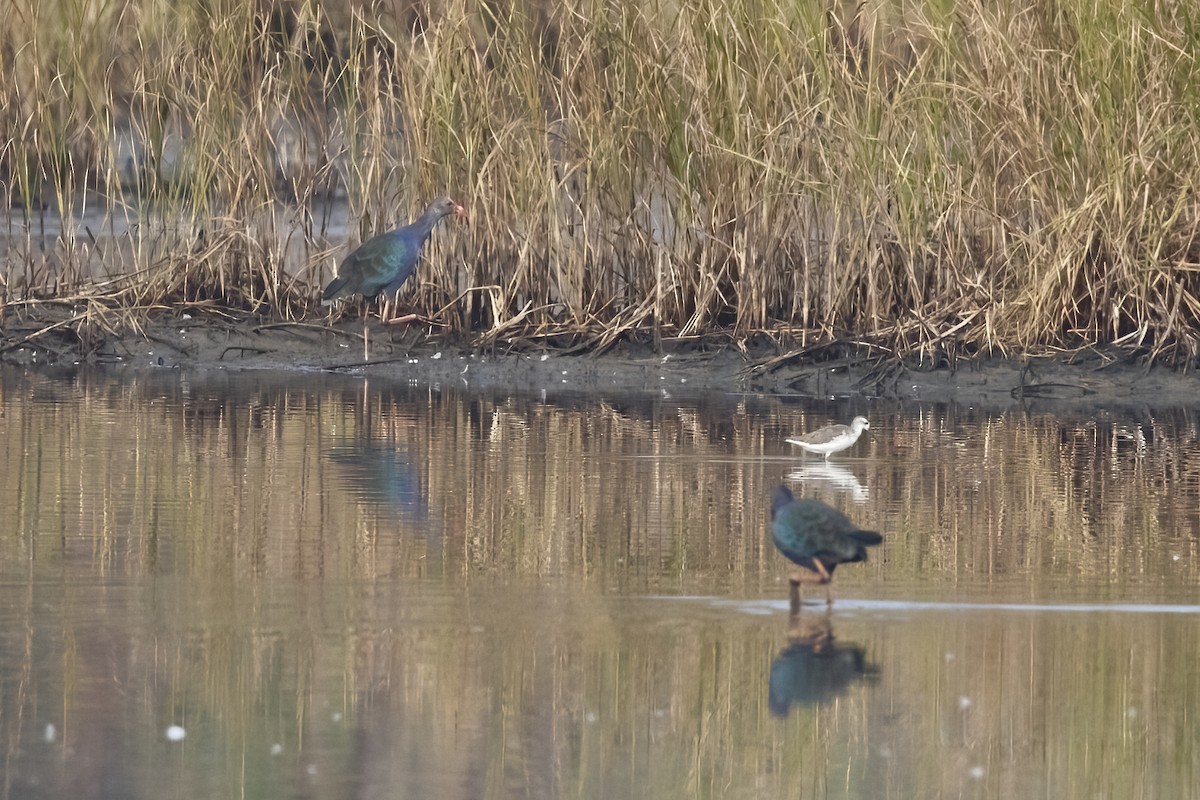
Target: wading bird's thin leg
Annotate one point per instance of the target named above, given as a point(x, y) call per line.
point(816, 574)
point(391, 304)
point(826, 579)
point(794, 593)
point(795, 582)
point(403, 320)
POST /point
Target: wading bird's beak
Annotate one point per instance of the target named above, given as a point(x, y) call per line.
point(460, 212)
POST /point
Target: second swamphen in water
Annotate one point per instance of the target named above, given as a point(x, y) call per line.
point(818, 538)
point(384, 262)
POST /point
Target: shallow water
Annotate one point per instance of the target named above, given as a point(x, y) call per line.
point(342, 587)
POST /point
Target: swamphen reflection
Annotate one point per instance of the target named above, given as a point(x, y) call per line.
point(380, 475)
point(816, 537)
point(384, 262)
point(814, 669)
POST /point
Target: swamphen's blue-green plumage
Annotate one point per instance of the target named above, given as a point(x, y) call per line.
point(813, 670)
point(816, 537)
point(383, 263)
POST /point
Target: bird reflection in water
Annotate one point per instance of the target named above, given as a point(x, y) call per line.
point(379, 475)
point(814, 668)
point(832, 476)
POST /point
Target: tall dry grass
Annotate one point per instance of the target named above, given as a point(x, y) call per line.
point(919, 176)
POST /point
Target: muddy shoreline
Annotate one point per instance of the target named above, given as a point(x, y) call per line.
point(422, 356)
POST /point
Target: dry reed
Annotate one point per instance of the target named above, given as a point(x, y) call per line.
point(997, 177)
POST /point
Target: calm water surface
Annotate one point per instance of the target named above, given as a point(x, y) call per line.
point(338, 587)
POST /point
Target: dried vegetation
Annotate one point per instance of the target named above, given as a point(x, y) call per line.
point(914, 178)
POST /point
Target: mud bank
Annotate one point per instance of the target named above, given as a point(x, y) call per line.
point(422, 356)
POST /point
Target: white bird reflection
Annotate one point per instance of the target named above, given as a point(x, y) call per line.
point(838, 477)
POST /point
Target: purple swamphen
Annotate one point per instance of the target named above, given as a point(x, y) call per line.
point(816, 537)
point(384, 262)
